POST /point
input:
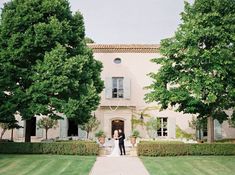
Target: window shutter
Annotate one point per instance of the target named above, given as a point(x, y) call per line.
point(171, 127)
point(127, 88)
point(108, 87)
point(81, 133)
point(39, 131)
point(21, 131)
point(217, 130)
point(64, 127)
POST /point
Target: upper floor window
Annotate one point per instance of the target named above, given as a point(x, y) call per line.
point(162, 131)
point(117, 87)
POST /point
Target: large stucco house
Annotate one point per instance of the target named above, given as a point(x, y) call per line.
point(125, 69)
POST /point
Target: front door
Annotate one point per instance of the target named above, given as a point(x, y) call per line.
point(116, 125)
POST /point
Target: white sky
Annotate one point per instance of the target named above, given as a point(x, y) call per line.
point(128, 21)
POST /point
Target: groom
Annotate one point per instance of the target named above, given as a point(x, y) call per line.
point(121, 137)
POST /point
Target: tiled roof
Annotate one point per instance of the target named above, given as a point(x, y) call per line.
point(124, 48)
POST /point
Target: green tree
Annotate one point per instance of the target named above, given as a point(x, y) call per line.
point(90, 125)
point(197, 73)
point(152, 125)
point(89, 40)
point(47, 123)
point(11, 125)
point(198, 124)
point(33, 34)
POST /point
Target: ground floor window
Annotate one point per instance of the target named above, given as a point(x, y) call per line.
point(162, 131)
point(72, 128)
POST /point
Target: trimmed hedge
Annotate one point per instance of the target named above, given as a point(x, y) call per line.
point(162, 142)
point(62, 148)
point(156, 149)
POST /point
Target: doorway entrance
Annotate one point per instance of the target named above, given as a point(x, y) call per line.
point(73, 128)
point(117, 124)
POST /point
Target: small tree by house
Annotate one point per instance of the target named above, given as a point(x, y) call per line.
point(91, 125)
point(152, 126)
point(138, 117)
point(9, 126)
point(199, 125)
point(231, 122)
point(47, 123)
point(4, 127)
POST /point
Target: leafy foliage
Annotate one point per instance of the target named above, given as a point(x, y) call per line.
point(135, 133)
point(152, 125)
point(7, 126)
point(100, 133)
point(177, 149)
point(139, 116)
point(46, 67)
point(183, 134)
point(231, 122)
point(47, 123)
point(89, 40)
point(91, 125)
point(197, 72)
point(62, 148)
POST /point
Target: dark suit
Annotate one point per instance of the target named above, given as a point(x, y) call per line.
point(121, 143)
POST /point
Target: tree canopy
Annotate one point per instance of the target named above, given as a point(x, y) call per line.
point(46, 67)
point(197, 73)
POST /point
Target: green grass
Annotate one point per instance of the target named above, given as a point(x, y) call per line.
point(193, 165)
point(45, 164)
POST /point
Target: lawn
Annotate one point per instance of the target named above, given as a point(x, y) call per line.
point(45, 164)
point(193, 165)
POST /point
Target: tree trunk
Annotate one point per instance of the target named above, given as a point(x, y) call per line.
point(12, 130)
point(2, 133)
point(28, 130)
point(87, 136)
point(46, 133)
point(210, 130)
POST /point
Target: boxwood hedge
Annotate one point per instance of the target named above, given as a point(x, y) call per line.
point(156, 149)
point(62, 148)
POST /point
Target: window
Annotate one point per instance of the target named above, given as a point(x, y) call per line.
point(162, 131)
point(117, 60)
point(117, 87)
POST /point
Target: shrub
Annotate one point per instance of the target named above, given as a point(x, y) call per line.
point(183, 134)
point(176, 149)
point(135, 134)
point(100, 133)
point(62, 148)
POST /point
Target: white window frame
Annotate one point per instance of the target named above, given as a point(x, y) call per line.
point(162, 132)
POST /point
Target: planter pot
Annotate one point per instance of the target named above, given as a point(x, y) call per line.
point(133, 141)
point(101, 140)
point(200, 141)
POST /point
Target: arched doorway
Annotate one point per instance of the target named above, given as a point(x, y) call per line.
point(117, 124)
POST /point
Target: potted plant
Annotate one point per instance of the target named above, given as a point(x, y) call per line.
point(101, 136)
point(133, 137)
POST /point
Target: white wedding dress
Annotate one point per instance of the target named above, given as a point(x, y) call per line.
point(115, 152)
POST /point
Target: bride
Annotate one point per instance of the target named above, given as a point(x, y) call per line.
point(115, 151)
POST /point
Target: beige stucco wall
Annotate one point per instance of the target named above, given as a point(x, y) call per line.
point(134, 66)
